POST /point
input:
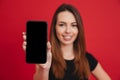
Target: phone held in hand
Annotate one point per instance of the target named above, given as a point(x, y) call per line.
point(36, 36)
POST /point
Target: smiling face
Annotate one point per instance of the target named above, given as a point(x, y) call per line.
point(66, 28)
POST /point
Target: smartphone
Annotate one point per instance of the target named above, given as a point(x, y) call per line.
point(36, 37)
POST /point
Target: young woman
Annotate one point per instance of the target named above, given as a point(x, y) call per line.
point(67, 58)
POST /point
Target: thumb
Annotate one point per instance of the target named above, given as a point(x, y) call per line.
point(48, 46)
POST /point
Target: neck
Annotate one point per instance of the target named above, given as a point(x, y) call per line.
point(67, 52)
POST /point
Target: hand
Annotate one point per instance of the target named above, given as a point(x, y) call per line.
point(47, 65)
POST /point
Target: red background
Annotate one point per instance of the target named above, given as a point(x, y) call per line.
point(101, 21)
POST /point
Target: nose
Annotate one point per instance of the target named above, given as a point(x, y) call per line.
point(68, 29)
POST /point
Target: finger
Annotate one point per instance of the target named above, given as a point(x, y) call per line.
point(24, 36)
point(24, 45)
point(24, 33)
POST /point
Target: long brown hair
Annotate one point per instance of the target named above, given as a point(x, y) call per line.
point(58, 63)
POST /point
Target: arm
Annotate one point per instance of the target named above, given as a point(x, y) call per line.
point(100, 74)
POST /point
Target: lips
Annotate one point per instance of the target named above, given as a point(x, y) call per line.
point(67, 38)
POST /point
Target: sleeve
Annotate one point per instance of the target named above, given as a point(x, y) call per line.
point(92, 61)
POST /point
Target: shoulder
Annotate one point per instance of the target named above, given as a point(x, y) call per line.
point(91, 60)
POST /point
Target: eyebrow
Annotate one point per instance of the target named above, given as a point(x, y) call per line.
point(74, 22)
point(65, 22)
point(61, 22)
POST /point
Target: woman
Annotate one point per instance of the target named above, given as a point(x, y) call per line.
point(67, 58)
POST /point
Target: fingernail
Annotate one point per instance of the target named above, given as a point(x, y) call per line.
point(48, 43)
point(23, 33)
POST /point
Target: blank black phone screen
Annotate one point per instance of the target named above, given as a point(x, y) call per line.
point(36, 32)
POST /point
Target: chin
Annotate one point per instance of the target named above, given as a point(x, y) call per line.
point(67, 43)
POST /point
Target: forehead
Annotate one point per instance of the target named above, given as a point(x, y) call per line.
point(66, 16)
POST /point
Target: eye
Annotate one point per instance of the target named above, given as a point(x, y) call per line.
point(74, 25)
point(61, 25)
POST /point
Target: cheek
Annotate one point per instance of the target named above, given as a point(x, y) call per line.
point(76, 32)
point(58, 33)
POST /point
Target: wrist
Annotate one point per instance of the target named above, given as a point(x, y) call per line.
point(41, 69)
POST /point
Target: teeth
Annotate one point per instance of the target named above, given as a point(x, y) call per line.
point(67, 37)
